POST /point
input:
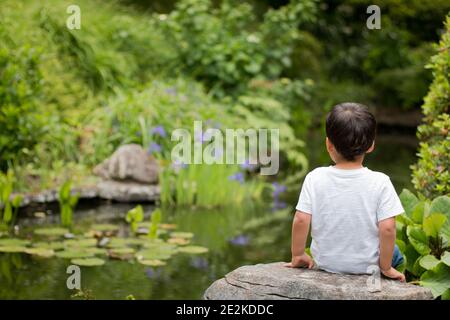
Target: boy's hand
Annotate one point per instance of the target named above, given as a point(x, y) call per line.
point(394, 274)
point(301, 261)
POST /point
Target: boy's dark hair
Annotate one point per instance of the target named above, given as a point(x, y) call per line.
point(351, 128)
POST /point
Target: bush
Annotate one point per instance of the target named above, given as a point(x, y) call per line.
point(423, 236)
point(226, 46)
point(431, 173)
point(20, 89)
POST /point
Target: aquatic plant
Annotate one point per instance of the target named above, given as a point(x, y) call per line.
point(423, 236)
point(10, 207)
point(67, 202)
point(134, 216)
point(155, 220)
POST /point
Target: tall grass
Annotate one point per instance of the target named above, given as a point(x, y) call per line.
point(208, 186)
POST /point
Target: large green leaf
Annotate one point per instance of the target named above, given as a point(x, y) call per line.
point(429, 262)
point(418, 212)
point(418, 239)
point(409, 201)
point(433, 224)
point(445, 258)
point(441, 205)
point(437, 279)
point(446, 295)
point(411, 257)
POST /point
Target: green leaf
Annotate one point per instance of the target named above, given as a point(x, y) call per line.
point(401, 245)
point(411, 257)
point(17, 201)
point(433, 224)
point(437, 279)
point(441, 205)
point(51, 232)
point(88, 262)
point(445, 258)
point(418, 212)
point(418, 239)
point(193, 249)
point(429, 262)
point(409, 201)
point(446, 295)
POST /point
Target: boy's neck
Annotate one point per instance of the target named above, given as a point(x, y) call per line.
point(348, 165)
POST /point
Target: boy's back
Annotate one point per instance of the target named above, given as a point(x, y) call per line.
point(346, 206)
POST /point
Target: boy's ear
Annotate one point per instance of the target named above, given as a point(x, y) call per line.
point(329, 145)
point(372, 147)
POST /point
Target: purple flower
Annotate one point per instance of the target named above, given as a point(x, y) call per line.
point(237, 177)
point(277, 205)
point(240, 240)
point(171, 91)
point(278, 189)
point(247, 166)
point(154, 148)
point(159, 130)
point(199, 136)
point(152, 273)
point(177, 165)
point(199, 263)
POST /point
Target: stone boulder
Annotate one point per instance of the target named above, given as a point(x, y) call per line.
point(129, 162)
point(273, 281)
point(127, 191)
point(128, 175)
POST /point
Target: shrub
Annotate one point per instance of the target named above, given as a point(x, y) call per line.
point(226, 46)
point(431, 173)
point(20, 88)
point(423, 236)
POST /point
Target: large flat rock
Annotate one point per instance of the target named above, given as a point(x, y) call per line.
point(274, 281)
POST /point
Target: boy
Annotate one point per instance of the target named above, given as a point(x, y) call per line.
point(351, 209)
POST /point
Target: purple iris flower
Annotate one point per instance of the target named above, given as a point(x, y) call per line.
point(277, 205)
point(247, 165)
point(278, 189)
point(154, 148)
point(199, 263)
point(159, 130)
point(237, 177)
point(240, 240)
point(177, 165)
point(152, 273)
point(171, 91)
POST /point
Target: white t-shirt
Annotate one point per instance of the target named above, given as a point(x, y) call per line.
point(346, 206)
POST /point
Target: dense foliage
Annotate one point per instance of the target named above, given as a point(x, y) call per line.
point(431, 174)
point(423, 235)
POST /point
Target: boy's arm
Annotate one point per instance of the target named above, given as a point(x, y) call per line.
point(300, 229)
point(387, 232)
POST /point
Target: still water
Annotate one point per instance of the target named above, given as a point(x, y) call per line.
point(234, 236)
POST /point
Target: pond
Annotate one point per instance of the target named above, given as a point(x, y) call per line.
point(234, 236)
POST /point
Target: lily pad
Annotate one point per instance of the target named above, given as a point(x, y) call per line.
point(152, 263)
point(122, 250)
point(153, 255)
point(167, 226)
point(121, 253)
point(179, 241)
point(193, 249)
point(88, 262)
point(105, 227)
point(49, 245)
point(13, 242)
point(81, 243)
point(185, 235)
point(51, 232)
point(73, 254)
point(40, 252)
point(95, 251)
point(12, 249)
